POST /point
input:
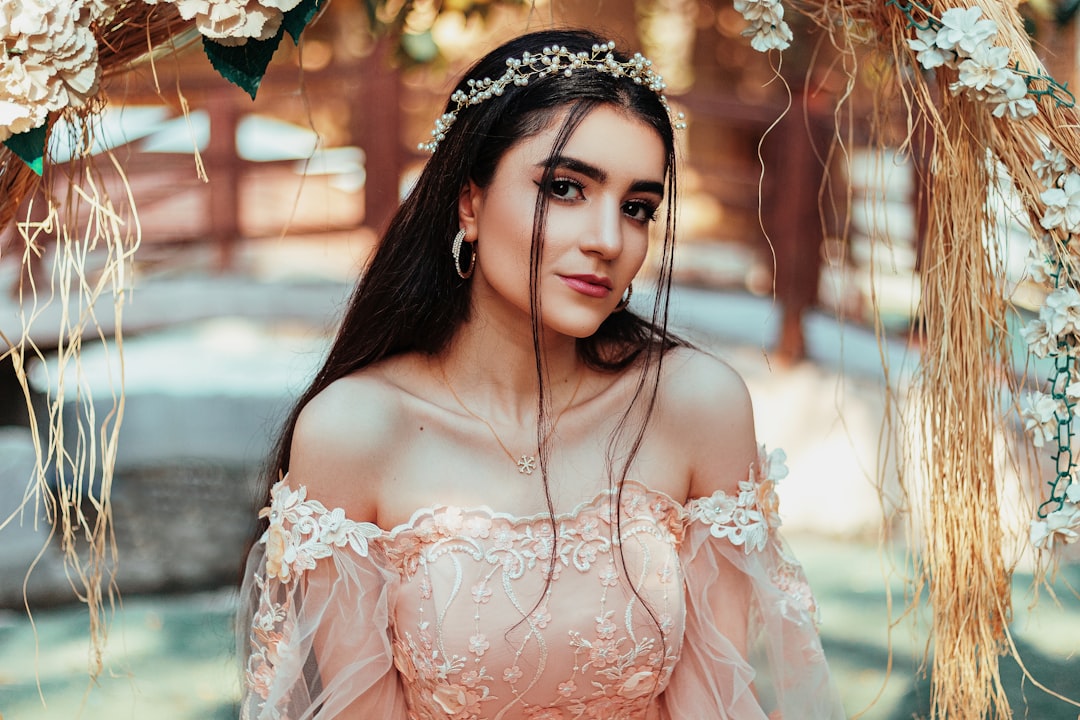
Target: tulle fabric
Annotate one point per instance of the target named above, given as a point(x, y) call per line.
point(751, 649)
point(339, 612)
point(335, 608)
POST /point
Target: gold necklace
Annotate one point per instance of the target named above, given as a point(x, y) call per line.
point(526, 464)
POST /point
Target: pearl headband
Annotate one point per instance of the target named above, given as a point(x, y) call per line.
point(550, 61)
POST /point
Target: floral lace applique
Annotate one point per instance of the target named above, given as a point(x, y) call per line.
point(609, 662)
point(747, 518)
point(270, 628)
point(302, 531)
point(521, 544)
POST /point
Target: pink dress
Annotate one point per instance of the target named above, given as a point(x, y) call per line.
point(686, 611)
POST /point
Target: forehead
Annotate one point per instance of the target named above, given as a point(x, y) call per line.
point(608, 138)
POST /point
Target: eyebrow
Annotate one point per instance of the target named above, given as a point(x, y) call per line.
point(597, 174)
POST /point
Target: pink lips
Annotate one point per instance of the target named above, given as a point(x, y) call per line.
point(591, 285)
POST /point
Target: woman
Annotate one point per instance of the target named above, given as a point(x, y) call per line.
point(506, 494)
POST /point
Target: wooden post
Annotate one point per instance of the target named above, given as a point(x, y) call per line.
point(793, 221)
point(224, 169)
point(376, 127)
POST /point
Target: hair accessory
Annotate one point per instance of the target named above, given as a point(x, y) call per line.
point(550, 61)
point(455, 250)
point(626, 298)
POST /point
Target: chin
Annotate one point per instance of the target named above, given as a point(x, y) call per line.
point(577, 327)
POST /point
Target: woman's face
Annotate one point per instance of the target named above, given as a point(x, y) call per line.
point(607, 186)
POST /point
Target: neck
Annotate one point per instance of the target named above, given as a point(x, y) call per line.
point(493, 369)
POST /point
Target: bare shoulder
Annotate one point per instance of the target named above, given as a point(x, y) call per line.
point(343, 441)
point(705, 408)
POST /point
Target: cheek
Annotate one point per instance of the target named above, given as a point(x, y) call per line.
point(637, 249)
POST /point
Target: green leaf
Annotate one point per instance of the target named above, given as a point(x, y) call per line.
point(243, 65)
point(30, 147)
point(298, 18)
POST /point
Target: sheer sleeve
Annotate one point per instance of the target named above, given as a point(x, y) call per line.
point(315, 617)
point(751, 649)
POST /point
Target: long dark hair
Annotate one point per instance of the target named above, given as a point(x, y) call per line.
point(411, 299)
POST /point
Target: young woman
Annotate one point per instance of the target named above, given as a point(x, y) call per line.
point(505, 495)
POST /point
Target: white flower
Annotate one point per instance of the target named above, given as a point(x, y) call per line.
point(16, 118)
point(1039, 412)
point(1052, 164)
point(48, 60)
point(985, 69)
point(1038, 338)
point(929, 55)
point(766, 27)
point(1063, 524)
point(1012, 99)
point(760, 11)
point(1072, 493)
point(1061, 312)
point(234, 22)
point(963, 31)
point(1063, 205)
point(1072, 391)
point(773, 37)
point(1037, 267)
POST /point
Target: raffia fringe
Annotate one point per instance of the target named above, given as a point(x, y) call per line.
point(966, 349)
point(77, 246)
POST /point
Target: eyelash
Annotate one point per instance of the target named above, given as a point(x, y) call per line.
point(650, 209)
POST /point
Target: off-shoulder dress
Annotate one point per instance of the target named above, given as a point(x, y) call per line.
point(631, 607)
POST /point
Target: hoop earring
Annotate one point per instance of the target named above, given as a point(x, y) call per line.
point(626, 298)
point(455, 250)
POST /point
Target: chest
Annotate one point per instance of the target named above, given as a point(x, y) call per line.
point(494, 614)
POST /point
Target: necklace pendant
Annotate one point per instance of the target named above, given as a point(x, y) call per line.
point(526, 464)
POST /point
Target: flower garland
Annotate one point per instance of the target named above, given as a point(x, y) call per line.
point(48, 59)
point(766, 26)
point(1055, 333)
point(233, 22)
point(962, 40)
point(49, 53)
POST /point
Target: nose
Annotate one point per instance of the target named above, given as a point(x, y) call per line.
point(603, 236)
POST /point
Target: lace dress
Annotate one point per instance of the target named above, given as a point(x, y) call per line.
point(631, 607)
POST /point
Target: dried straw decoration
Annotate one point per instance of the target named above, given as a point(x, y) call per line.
point(966, 354)
point(91, 238)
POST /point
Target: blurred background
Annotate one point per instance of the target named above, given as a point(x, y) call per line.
point(805, 288)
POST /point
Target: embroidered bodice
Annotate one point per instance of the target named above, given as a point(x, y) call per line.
point(471, 613)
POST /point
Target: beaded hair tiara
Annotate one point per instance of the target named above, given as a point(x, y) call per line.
point(550, 61)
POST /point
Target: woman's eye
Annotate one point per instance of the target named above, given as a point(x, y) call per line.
point(565, 189)
point(640, 211)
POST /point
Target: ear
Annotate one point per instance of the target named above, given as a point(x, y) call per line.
point(470, 201)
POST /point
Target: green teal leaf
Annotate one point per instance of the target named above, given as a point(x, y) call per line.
point(298, 18)
point(243, 65)
point(30, 147)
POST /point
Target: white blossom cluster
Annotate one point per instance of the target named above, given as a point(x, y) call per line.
point(233, 22)
point(552, 60)
point(767, 29)
point(1062, 524)
point(963, 41)
point(1055, 332)
point(48, 59)
point(49, 56)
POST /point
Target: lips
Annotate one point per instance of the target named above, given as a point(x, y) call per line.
point(590, 285)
